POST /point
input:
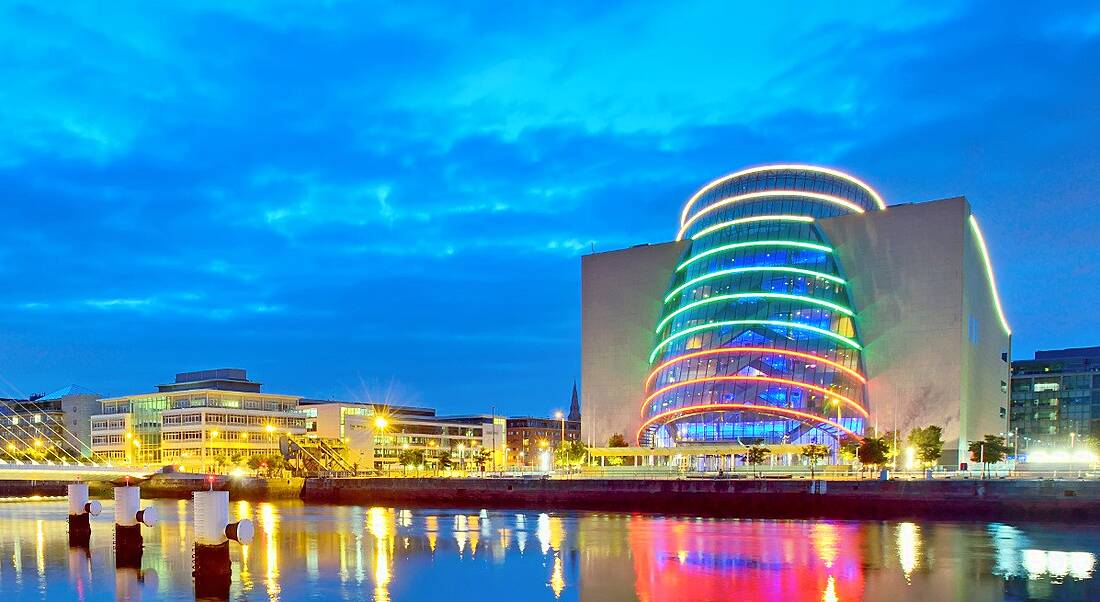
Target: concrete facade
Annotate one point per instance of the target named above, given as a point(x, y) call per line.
point(621, 294)
point(934, 349)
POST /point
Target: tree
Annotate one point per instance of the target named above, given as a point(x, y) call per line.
point(928, 442)
point(482, 458)
point(254, 463)
point(407, 458)
point(275, 464)
point(756, 456)
point(892, 439)
point(572, 453)
point(446, 461)
point(873, 451)
point(617, 440)
point(988, 451)
point(849, 449)
point(814, 452)
point(221, 461)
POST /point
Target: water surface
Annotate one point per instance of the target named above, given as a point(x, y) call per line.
point(358, 553)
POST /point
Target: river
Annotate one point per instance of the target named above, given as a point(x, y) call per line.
point(329, 553)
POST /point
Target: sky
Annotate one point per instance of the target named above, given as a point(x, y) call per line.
point(389, 201)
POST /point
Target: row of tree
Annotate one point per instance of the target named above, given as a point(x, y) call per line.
point(270, 465)
point(871, 451)
point(416, 458)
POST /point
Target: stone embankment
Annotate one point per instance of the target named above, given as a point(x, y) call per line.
point(855, 499)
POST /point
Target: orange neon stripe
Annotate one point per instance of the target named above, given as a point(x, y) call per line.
point(809, 356)
point(741, 406)
point(770, 379)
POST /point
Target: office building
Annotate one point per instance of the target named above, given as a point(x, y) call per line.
point(795, 307)
point(530, 436)
point(1055, 399)
point(201, 421)
point(52, 426)
point(376, 435)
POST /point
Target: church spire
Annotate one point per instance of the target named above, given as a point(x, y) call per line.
point(574, 406)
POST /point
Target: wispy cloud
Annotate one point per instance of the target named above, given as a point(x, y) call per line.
point(404, 188)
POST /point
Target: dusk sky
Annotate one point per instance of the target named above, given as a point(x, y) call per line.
point(348, 200)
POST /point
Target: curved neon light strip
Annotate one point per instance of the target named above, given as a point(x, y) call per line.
point(778, 167)
point(756, 243)
point(686, 331)
point(767, 379)
point(762, 350)
point(742, 406)
point(748, 196)
point(989, 273)
point(834, 306)
point(755, 268)
point(746, 220)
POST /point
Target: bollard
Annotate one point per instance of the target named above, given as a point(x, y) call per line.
point(80, 509)
point(213, 532)
point(129, 516)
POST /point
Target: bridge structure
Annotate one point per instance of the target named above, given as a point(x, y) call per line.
point(36, 445)
point(69, 471)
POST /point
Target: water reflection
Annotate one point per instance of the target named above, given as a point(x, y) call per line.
point(383, 554)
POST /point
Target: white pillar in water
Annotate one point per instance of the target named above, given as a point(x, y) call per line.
point(128, 511)
point(78, 501)
point(211, 520)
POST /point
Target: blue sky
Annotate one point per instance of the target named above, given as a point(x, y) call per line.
point(351, 199)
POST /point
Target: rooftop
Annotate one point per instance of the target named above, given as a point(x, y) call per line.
point(67, 391)
point(1070, 353)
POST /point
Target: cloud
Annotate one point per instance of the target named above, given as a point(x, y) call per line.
point(401, 191)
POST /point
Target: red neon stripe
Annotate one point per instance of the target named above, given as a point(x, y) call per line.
point(809, 356)
point(770, 379)
point(718, 407)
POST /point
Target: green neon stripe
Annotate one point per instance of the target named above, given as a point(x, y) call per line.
point(841, 309)
point(693, 281)
point(756, 243)
point(746, 220)
point(686, 331)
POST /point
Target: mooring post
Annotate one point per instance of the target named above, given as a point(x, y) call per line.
point(80, 509)
point(129, 517)
point(213, 532)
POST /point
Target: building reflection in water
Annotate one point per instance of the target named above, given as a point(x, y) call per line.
point(377, 553)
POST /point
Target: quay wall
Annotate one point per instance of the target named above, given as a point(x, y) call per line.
point(30, 488)
point(759, 498)
point(240, 488)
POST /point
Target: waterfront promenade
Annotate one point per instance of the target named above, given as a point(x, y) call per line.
point(987, 499)
point(1008, 499)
